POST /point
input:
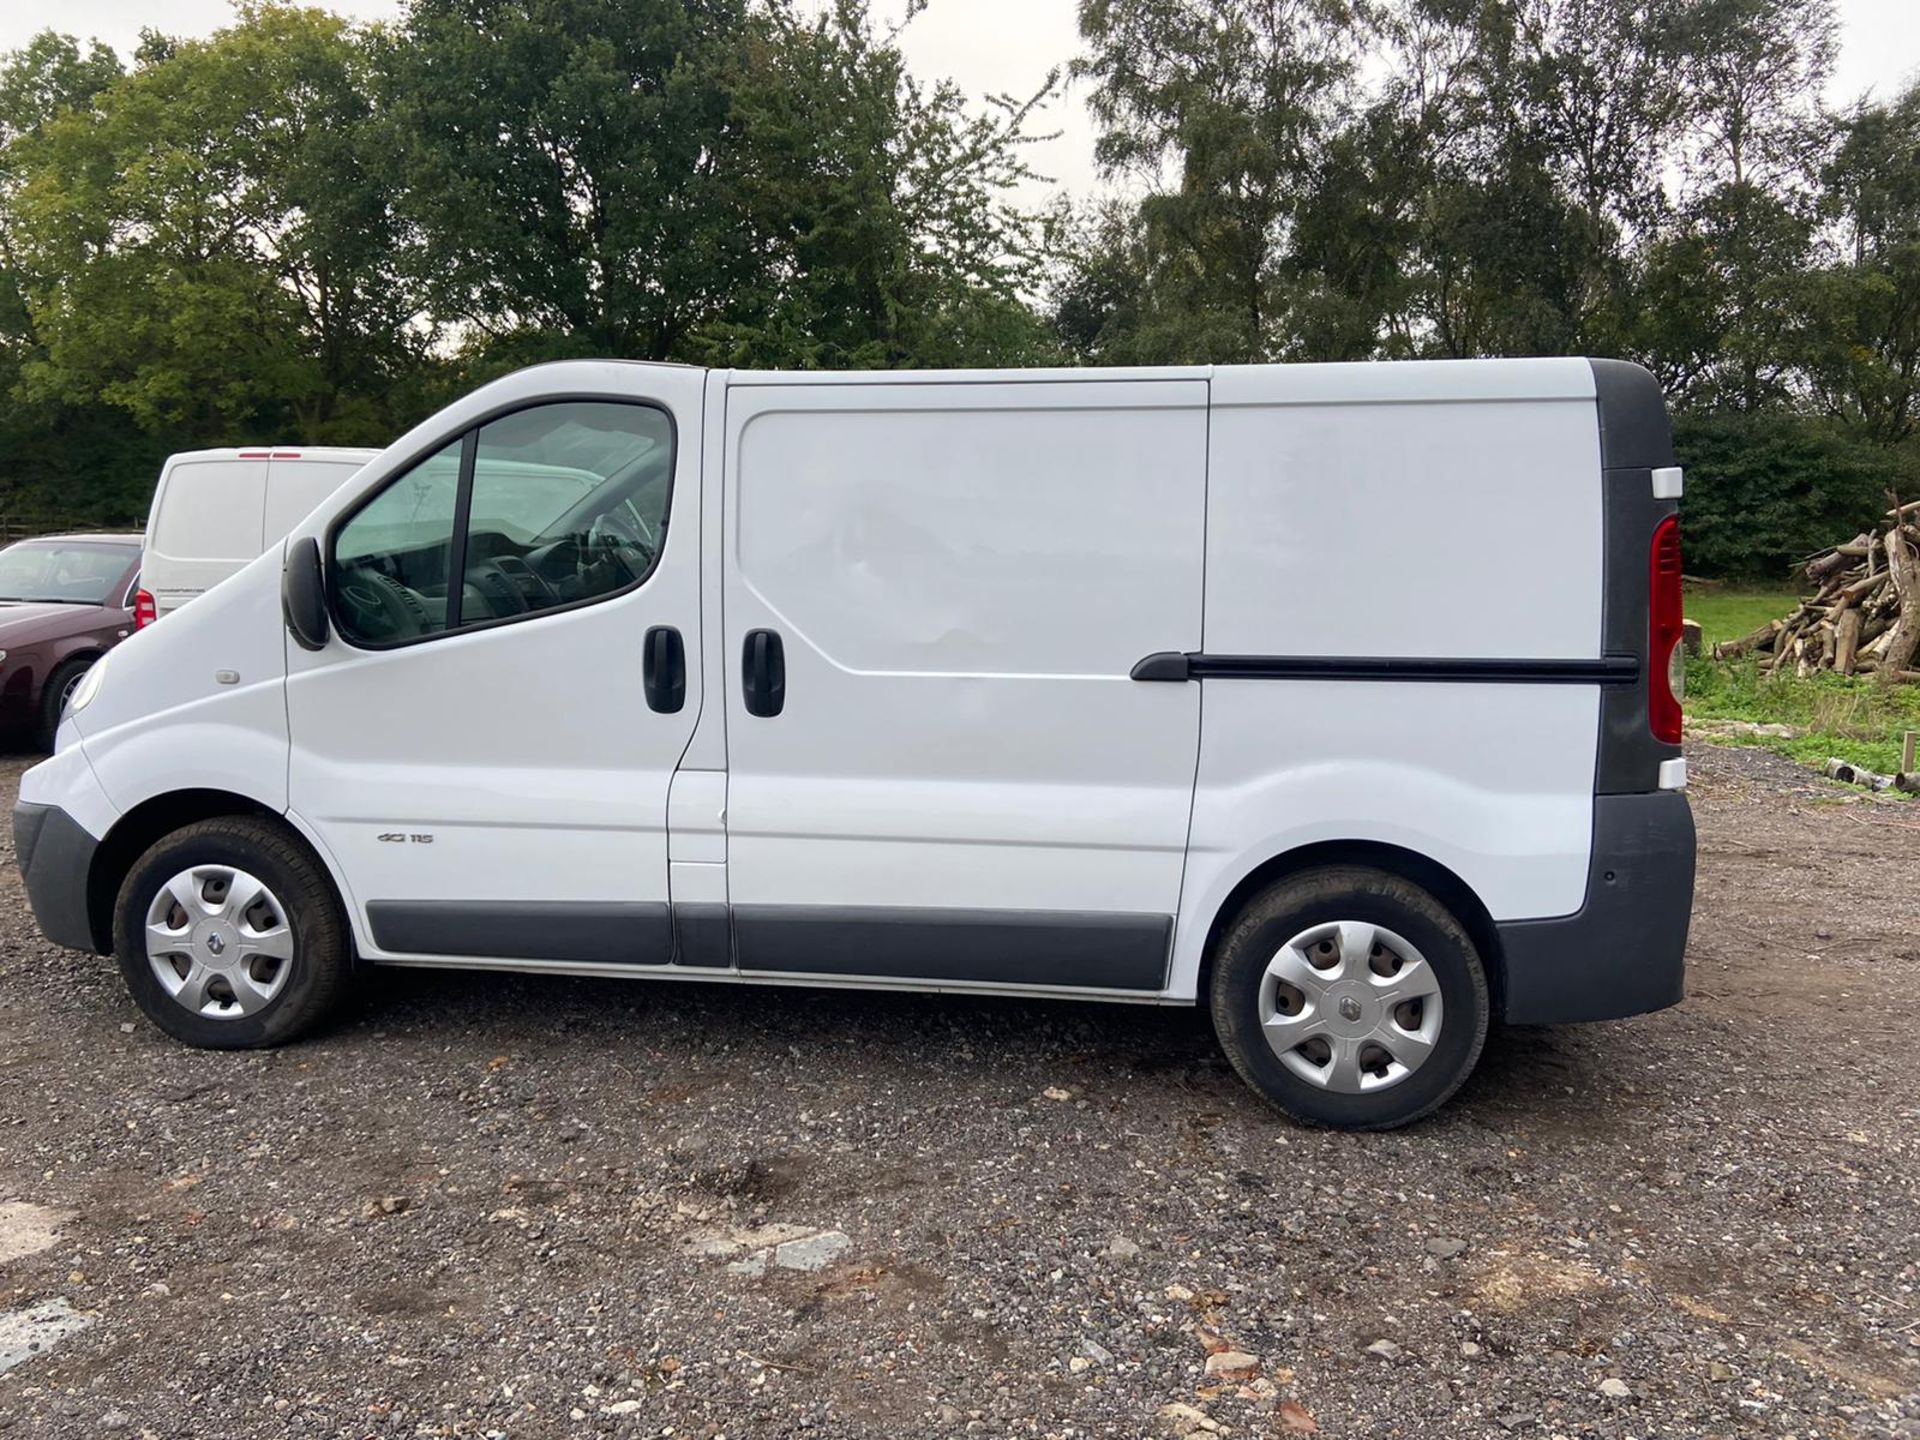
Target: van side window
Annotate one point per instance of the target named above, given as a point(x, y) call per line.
point(392, 559)
point(569, 503)
point(564, 503)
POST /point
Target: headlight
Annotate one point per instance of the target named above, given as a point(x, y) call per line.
point(88, 687)
point(3, 655)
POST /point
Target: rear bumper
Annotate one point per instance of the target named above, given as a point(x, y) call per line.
point(1624, 951)
point(56, 856)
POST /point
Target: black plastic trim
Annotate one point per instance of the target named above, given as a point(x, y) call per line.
point(703, 934)
point(580, 932)
point(1172, 665)
point(303, 595)
point(1004, 947)
point(663, 670)
point(1635, 440)
point(1624, 951)
point(56, 856)
point(763, 673)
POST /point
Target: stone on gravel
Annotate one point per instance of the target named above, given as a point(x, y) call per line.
point(1385, 1349)
point(1182, 1419)
point(1615, 1388)
point(28, 1229)
point(1121, 1248)
point(1096, 1352)
point(1445, 1248)
point(1233, 1365)
point(34, 1331)
point(816, 1252)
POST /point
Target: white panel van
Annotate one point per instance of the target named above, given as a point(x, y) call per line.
point(214, 510)
point(1174, 686)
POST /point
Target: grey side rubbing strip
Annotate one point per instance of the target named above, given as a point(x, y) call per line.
point(1005, 947)
point(1173, 665)
point(582, 933)
point(703, 935)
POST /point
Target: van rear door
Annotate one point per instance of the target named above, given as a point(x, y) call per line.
point(935, 591)
point(205, 524)
point(295, 484)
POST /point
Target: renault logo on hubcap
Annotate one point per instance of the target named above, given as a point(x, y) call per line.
point(215, 945)
point(1349, 1007)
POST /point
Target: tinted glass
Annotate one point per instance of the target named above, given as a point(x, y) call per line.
point(391, 560)
point(569, 503)
point(72, 574)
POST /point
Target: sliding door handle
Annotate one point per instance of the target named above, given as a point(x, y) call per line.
point(763, 673)
point(664, 670)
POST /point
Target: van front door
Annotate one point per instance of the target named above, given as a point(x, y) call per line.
point(486, 741)
point(935, 592)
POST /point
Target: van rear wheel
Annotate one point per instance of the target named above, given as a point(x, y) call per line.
point(230, 936)
point(1350, 997)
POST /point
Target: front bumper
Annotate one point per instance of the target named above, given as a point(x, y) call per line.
point(1624, 951)
point(56, 856)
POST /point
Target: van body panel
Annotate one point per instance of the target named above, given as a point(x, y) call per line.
point(1331, 535)
point(218, 734)
point(1284, 766)
point(513, 765)
point(938, 750)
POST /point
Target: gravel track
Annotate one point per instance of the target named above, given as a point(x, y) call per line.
point(492, 1205)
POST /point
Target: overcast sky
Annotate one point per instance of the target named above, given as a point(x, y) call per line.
point(987, 46)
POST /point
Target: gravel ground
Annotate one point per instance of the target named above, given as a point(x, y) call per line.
point(488, 1205)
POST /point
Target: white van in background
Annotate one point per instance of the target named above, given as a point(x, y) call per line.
point(214, 510)
point(895, 680)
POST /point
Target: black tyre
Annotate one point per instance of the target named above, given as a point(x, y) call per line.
point(230, 935)
point(61, 682)
point(1350, 997)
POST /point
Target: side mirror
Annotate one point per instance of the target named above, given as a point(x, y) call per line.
point(303, 595)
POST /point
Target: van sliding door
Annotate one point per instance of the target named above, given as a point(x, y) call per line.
point(935, 591)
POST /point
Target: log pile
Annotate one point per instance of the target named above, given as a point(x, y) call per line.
point(1863, 617)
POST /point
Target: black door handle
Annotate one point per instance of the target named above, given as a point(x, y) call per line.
point(663, 670)
point(763, 673)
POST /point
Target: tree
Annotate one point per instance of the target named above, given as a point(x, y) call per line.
point(703, 179)
point(1862, 306)
point(217, 255)
point(1228, 107)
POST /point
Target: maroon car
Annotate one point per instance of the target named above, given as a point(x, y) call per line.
point(65, 600)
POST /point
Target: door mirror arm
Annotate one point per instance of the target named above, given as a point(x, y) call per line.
point(303, 595)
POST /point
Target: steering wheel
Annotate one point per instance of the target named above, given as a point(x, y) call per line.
point(381, 607)
point(510, 591)
point(607, 542)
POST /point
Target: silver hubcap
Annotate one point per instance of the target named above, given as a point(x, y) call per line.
point(219, 942)
point(1350, 1007)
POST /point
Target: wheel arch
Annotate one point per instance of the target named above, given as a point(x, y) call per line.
point(1446, 886)
point(145, 823)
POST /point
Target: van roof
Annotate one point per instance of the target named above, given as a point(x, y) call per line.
point(326, 453)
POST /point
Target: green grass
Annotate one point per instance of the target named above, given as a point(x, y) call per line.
point(1853, 719)
point(1727, 612)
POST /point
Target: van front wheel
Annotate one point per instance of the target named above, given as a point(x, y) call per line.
point(1350, 997)
point(230, 936)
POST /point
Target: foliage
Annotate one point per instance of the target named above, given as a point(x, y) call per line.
point(1854, 720)
point(1766, 490)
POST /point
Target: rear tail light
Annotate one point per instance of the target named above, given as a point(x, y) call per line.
point(1666, 660)
point(144, 610)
